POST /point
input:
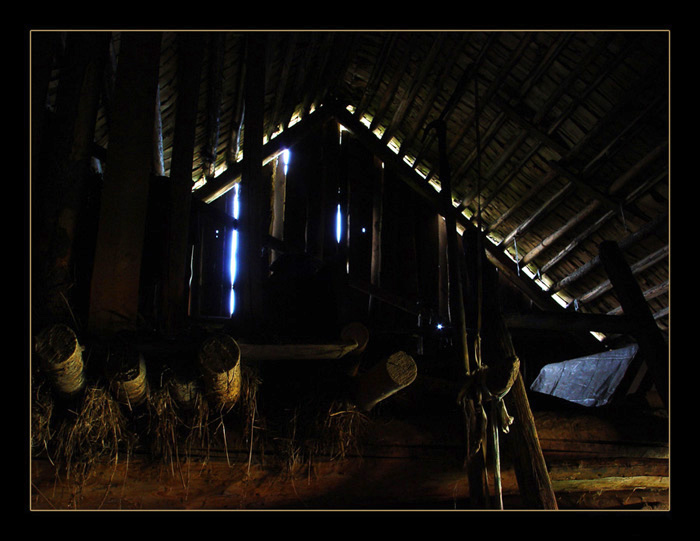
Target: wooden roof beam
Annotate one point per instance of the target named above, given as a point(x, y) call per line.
point(495, 168)
point(649, 228)
point(636, 268)
point(284, 79)
point(376, 75)
point(492, 89)
point(316, 75)
point(234, 137)
point(547, 206)
point(450, 60)
point(418, 82)
point(544, 137)
point(215, 78)
point(649, 294)
point(579, 182)
point(391, 88)
point(534, 77)
point(594, 205)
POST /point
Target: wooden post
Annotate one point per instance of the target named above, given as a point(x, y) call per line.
point(634, 305)
point(254, 203)
point(174, 293)
point(61, 180)
point(503, 376)
point(377, 216)
point(115, 282)
point(279, 192)
point(476, 467)
point(443, 285)
point(530, 468)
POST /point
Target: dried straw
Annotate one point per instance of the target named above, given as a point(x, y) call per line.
point(42, 414)
point(95, 432)
point(163, 426)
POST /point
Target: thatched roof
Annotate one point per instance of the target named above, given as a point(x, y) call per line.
point(559, 139)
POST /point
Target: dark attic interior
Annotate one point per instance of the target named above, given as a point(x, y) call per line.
point(349, 270)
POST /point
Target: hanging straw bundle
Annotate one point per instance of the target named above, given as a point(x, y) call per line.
point(220, 357)
point(127, 373)
point(61, 359)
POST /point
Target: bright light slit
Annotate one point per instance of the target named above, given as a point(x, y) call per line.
point(285, 160)
point(338, 224)
point(234, 248)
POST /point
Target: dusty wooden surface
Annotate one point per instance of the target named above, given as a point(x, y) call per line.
point(404, 467)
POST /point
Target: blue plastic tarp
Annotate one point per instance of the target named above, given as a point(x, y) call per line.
point(589, 381)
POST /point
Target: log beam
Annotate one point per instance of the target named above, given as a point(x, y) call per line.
point(571, 322)
point(384, 379)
